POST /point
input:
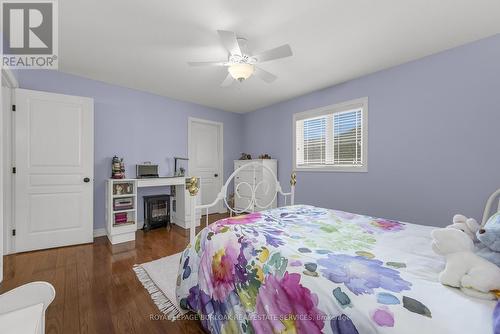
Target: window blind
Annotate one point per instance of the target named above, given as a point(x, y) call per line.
point(332, 139)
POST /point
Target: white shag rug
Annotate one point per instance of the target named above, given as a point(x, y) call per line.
point(159, 277)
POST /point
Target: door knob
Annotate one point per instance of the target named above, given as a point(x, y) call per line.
point(86, 180)
point(216, 175)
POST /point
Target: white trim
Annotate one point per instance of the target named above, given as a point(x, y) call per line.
point(8, 78)
point(99, 232)
point(2, 192)
point(363, 102)
point(7, 164)
point(220, 207)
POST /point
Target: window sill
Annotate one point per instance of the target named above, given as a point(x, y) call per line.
point(363, 169)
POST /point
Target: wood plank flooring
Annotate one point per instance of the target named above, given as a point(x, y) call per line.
point(96, 289)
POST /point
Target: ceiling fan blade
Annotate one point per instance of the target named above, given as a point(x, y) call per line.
point(227, 81)
point(230, 42)
point(207, 63)
point(276, 53)
point(264, 75)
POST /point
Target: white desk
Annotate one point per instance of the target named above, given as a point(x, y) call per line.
point(161, 182)
point(180, 206)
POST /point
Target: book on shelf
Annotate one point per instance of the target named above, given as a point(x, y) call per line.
point(123, 204)
point(121, 218)
point(119, 208)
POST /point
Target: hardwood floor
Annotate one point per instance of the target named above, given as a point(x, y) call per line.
point(96, 289)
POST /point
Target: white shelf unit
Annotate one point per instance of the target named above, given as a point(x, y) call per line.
point(121, 189)
point(242, 202)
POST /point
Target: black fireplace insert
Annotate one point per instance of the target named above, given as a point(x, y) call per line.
point(156, 211)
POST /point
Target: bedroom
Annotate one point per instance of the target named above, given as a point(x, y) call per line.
point(386, 109)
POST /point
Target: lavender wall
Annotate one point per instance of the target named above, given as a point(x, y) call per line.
point(434, 147)
point(135, 125)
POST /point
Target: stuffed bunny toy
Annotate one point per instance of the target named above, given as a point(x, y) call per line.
point(467, 225)
point(489, 236)
point(464, 269)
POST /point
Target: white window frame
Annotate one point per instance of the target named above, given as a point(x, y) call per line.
point(334, 108)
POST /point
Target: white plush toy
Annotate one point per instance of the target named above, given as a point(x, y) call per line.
point(464, 269)
point(467, 225)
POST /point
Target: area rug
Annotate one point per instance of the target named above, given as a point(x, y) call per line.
point(159, 278)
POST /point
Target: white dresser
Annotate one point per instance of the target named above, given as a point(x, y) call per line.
point(265, 192)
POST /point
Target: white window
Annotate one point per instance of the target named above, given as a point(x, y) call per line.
point(332, 138)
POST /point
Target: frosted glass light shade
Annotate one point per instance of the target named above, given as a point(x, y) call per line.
point(241, 72)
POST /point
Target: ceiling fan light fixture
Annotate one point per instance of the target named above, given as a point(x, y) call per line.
point(241, 71)
point(242, 64)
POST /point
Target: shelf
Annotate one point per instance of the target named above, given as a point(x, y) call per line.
point(124, 195)
point(119, 211)
point(124, 224)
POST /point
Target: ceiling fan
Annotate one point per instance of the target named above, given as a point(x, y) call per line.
point(240, 63)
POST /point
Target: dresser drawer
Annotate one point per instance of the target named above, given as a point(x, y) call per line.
point(239, 163)
point(242, 204)
point(264, 190)
point(248, 177)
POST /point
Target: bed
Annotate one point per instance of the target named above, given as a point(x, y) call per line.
point(303, 269)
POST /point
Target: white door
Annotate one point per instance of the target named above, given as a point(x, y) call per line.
point(54, 162)
point(205, 159)
point(4, 109)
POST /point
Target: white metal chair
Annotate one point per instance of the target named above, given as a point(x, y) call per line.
point(22, 310)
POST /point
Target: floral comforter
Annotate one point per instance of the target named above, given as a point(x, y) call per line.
point(303, 269)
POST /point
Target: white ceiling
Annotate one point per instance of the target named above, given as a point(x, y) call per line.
point(145, 44)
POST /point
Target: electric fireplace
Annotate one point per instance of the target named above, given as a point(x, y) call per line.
point(156, 211)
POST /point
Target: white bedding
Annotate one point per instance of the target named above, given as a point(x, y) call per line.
point(309, 270)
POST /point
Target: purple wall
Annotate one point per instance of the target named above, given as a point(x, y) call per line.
point(434, 147)
point(135, 125)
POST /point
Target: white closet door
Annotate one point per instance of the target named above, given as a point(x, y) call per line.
point(206, 158)
point(54, 159)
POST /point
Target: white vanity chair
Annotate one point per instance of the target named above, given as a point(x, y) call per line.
point(22, 310)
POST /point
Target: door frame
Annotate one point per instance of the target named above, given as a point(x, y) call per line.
point(220, 125)
point(14, 161)
point(7, 159)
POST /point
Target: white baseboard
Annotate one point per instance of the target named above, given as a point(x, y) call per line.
point(99, 232)
point(121, 238)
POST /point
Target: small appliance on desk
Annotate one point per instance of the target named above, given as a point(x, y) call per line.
point(147, 170)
